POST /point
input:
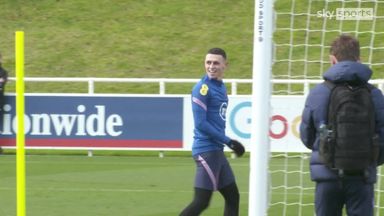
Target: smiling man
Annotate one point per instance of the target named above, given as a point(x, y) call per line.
point(213, 172)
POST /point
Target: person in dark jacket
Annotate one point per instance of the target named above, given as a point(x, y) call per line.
point(332, 191)
point(3, 81)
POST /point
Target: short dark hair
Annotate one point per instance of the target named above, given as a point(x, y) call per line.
point(218, 51)
point(345, 47)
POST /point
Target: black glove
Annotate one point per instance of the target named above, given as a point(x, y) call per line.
point(237, 147)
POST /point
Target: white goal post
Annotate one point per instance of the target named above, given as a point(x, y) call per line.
point(261, 92)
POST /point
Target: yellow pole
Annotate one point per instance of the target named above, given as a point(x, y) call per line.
point(20, 136)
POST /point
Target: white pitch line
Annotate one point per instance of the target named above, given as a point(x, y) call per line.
point(99, 190)
point(103, 190)
point(124, 190)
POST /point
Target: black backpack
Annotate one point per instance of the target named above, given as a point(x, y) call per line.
point(349, 141)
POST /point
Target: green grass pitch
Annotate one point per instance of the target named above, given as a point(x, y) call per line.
point(168, 39)
point(62, 185)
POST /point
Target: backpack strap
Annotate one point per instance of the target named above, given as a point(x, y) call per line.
point(370, 87)
point(329, 84)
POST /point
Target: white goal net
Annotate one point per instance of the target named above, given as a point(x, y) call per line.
point(305, 28)
point(302, 34)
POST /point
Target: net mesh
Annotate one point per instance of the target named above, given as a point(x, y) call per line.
point(304, 30)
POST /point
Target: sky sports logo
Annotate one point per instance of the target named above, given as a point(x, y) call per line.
point(347, 14)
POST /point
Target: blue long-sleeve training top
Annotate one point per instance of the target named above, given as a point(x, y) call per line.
point(209, 106)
